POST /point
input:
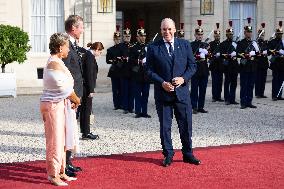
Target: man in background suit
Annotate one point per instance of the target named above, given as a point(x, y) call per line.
point(74, 28)
point(90, 70)
point(170, 64)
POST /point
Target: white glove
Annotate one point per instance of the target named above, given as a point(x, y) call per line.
point(201, 50)
point(264, 52)
point(281, 51)
point(218, 54)
point(202, 55)
point(144, 60)
point(91, 95)
point(252, 53)
point(233, 54)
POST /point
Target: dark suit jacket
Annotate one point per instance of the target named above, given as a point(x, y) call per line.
point(90, 70)
point(160, 68)
point(73, 63)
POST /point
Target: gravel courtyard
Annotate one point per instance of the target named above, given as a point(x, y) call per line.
point(22, 132)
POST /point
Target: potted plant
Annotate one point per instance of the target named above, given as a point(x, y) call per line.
point(13, 48)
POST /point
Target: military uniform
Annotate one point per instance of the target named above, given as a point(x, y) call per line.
point(247, 50)
point(180, 32)
point(200, 78)
point(113, 57)
point(216, 66)
point(231, 66)
point(141, 85)
point(126, 83)
point(276, 48)
point(262, 65)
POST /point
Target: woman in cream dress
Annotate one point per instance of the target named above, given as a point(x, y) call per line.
point(58, 104)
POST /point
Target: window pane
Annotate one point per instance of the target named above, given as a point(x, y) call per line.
point(38, 32)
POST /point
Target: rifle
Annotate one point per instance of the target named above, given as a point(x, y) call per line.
point(208, 37)
point(272, 37)
point(238, 37)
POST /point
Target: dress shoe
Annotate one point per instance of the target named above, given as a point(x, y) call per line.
point(146, 115)
point(56, 181)
point(201, 110)
point(63, 176)
point(274, 99)
point(130, 111)
point(194, 111)
point(116, 108)
point(73, 168)
point(262, 96)
point(214, 100)
point(220, 100)
point(280, 98)
point(90, 136)
point(257, 96)
point(125, 111)
point(138, 115)
point(243, 106)
point(167, 161)
point(70, 173)
point(251, 106)
point(227, 103)
point(191, 160)
point(234, 102)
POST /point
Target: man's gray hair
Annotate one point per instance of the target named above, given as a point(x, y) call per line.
point(167, 20)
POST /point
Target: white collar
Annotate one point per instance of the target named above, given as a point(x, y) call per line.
point(171, 41)
point(72, 39)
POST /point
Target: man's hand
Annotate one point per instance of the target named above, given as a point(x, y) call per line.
point(91, 95)
point(168, 86)
point(177, 81)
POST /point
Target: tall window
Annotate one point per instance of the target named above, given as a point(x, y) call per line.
point(239, 12)
point(47, 17)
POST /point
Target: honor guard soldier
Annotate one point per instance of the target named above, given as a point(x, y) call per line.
point(141, 86)
point(276, 49)
point(247, 50)
point(216, 66)
point(200, 78)
point(127, 92)
point(231, 66)
point(262, 64)
point(114, 58)
point(180, 32)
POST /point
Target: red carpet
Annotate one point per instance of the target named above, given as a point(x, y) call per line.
point(258, 165)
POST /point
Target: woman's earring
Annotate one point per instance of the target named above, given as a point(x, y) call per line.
point(60, 50)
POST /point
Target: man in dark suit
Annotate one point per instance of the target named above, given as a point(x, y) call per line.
point(170, 65)
point(74, 28)
point(90, 70)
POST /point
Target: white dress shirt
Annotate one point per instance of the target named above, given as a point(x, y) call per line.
point(172, 43)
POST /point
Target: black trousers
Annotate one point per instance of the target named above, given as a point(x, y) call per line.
point(86, 110)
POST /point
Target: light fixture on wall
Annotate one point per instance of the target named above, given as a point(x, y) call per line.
point(206, 7)
point(105, 6)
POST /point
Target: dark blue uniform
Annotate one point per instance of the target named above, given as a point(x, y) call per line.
point(261, 72)
point(277, 66)
point(113, 57)
point(126, 83)
point(200, 78)
point(141, 87)
point(217, 69)
point(247, 72)
point(231, 70)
